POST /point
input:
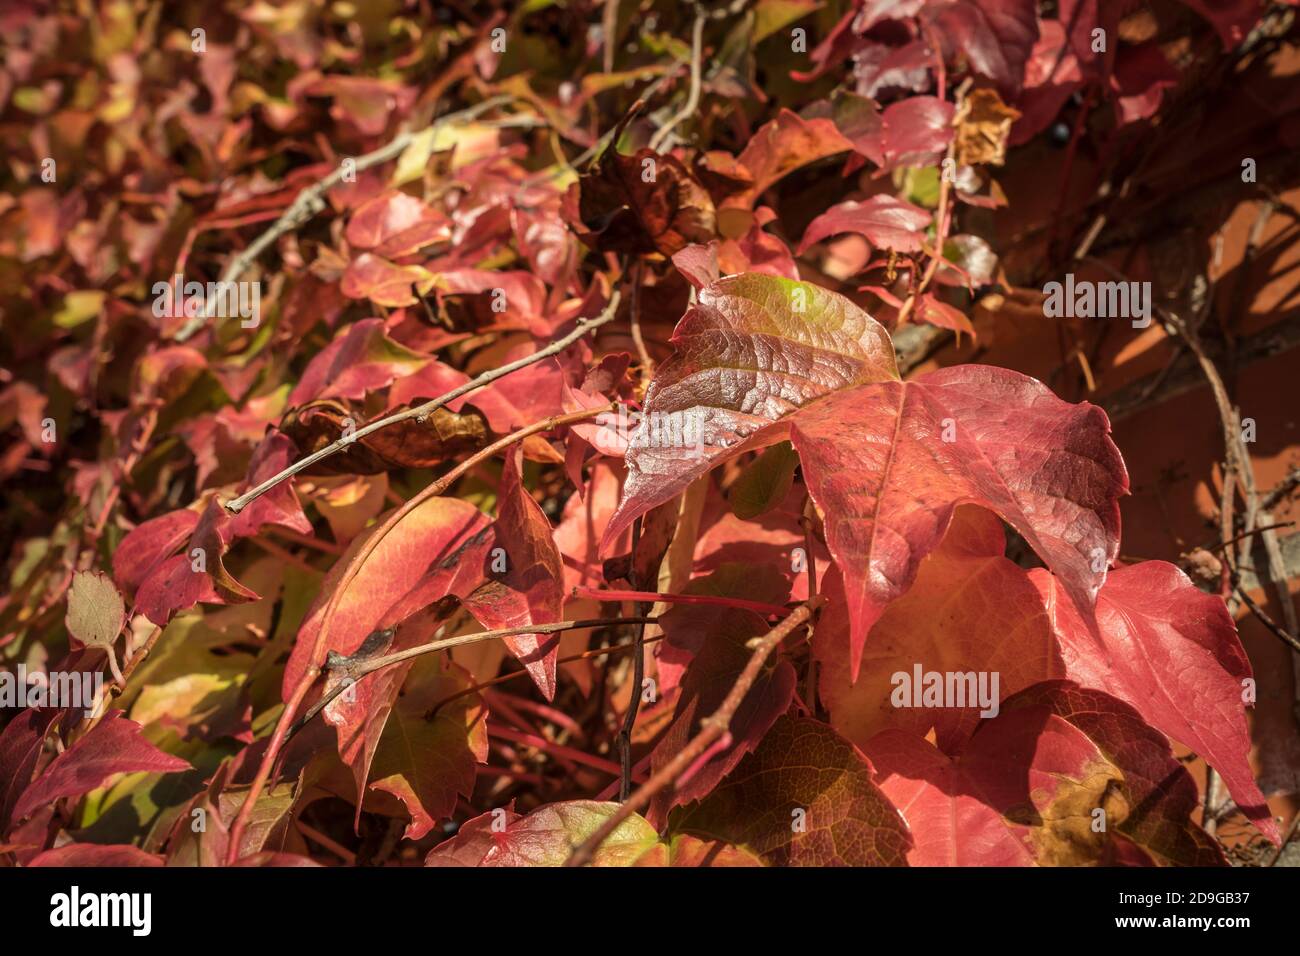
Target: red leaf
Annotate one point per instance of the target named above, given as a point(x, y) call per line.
point(199, 573)
point(994, 36)
point(887, 223)
point(95, 854)
point(719, 657)
point(429, 763)
point(530, 590)
point(373, 277)
point(545, 837)
point(397, 223)
point(112, 746)
point(361, 359)
point(783, 145)
point(150, 543)
point(911, 132)
point(937, 312)
point(1027, 787)
point(639, 204)
point(22, 741)
point(473, 841)
point(1174, 655)
point(1168, 650)
point(406, 571)
point(969, 611)
point(888, 463)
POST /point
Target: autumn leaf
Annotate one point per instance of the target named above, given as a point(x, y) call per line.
point(804, 798)
point(644, 203)
point(546, 837)
point(525, 588)
point(1172, 653)
point(911, 132)
point(403, 573)
point(885, 461)
point(96, 611)
point(361, 359)
point(715, 664)
point(886, 222)
point(983, 126)
point(1168, 650)
point(783, 145)
point(395, 224)
point(428, 759)
point(112, 746)
point(370, 276)
point(444, 435)
point(95, 854)
point(1061, 777)
point(1046, 467)
point(199, 574)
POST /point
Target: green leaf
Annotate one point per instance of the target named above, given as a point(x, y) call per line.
point(765, 482)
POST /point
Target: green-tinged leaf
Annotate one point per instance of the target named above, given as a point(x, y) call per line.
point(765, 481)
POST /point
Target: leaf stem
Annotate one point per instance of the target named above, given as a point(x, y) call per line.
point(359, 669)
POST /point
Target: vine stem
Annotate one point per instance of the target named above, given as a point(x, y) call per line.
point(433, 489)
point(422, 412)
point(654, 597)
point(693, 97)
point(712, 728)
point(638, 676)
point(945, 211)
point(359, 669)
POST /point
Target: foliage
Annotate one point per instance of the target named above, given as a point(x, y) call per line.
point(809, 599)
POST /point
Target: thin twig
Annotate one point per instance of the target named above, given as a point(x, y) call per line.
point(515, 675)
point(359, 669)
point(421, 412)
point(647, 363)
point(310, 201)
point(711, 728)
point(1210, 807)
point(807, 519)
point(1284, 488)
point(1253, 531)
point(945, 212)
point(1287, 638)
point(638, 675)
point(693, 97)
